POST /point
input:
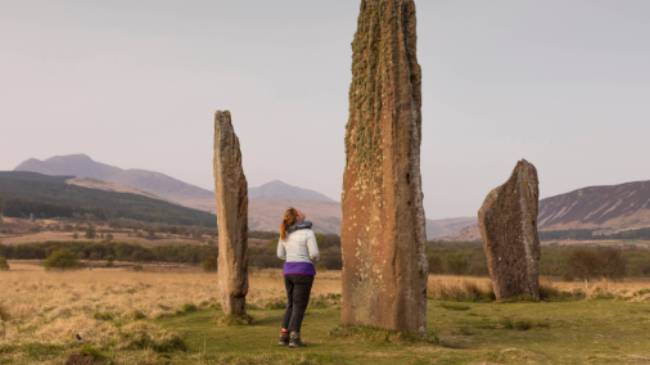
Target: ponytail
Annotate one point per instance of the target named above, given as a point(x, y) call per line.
point(290, 218)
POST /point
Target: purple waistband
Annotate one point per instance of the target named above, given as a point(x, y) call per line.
point(299, 268)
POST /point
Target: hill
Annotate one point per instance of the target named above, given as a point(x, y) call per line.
point(156, 183)
point(617, 211)
point(267, 202)
point(26, 193)
point(279, 190)
point(612, 208)
point(439, 228)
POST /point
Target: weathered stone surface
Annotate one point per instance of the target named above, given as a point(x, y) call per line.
point(383, 229)
point(231, 191)
point(508, 225)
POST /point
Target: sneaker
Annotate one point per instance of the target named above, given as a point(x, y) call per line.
point(284, 339)
point(294, 340)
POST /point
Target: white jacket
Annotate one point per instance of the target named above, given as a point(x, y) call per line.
point(299, 246)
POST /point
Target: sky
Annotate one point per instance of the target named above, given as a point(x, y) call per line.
point(562, 83)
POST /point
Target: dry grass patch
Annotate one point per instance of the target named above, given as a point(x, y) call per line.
point(44, 313)
point(94, 304)
point(635, 290)
point(459, 288)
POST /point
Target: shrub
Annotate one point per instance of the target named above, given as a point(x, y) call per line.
point(435, 264)
point(331, 260)
point(91, 233)
point(586, 264)
point(4, 265)
point(61, 260)
point(209, 264)
point(457, 264)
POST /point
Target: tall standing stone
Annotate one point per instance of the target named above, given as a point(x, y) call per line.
point(508, 225)
point(231, 191)
point(383, 230)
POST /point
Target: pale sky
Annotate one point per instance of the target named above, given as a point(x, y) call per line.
point(562, 83)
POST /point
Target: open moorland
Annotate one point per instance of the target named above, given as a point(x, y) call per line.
point(169, 314)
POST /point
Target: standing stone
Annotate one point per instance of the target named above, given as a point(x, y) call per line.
point(508, 225)
point(383, 230)
point(232, 217)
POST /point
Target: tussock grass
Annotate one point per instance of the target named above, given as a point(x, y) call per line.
point(635, 290)
point(87, 355)
point(137, 315)
point(475, 289)
point(158, 316)
point(4, 314)
point(188, 308)
point(230, 320)
point(142, 336)
point(462, 289)
point(55, 306)
point(104, 316)
point(367, 333)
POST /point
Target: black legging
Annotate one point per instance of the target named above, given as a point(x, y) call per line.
point(298, 290)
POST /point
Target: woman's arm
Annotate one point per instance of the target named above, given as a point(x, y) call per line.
point(312, 246)
point(281, 251)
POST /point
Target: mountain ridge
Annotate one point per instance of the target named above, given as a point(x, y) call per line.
point(267, 201)
point(604, 209)
point(25, 194)
point(609, 208)
point(83, 166)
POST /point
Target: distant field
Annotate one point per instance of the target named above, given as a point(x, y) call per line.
point(16, 231)
point(150, 316)
point(121, 237)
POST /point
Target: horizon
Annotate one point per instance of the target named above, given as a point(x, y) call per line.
point(137, 85)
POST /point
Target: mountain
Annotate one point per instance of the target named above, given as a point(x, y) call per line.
point(603, 210)
point(267, 202)
point(278, 190)
point(612, 208)
point(448, 227)
point(25, 193)
point(71, 165)
point(161, 185)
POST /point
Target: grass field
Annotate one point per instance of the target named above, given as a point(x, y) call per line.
point(167, 315)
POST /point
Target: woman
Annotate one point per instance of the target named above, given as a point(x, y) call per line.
point(298, 247)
